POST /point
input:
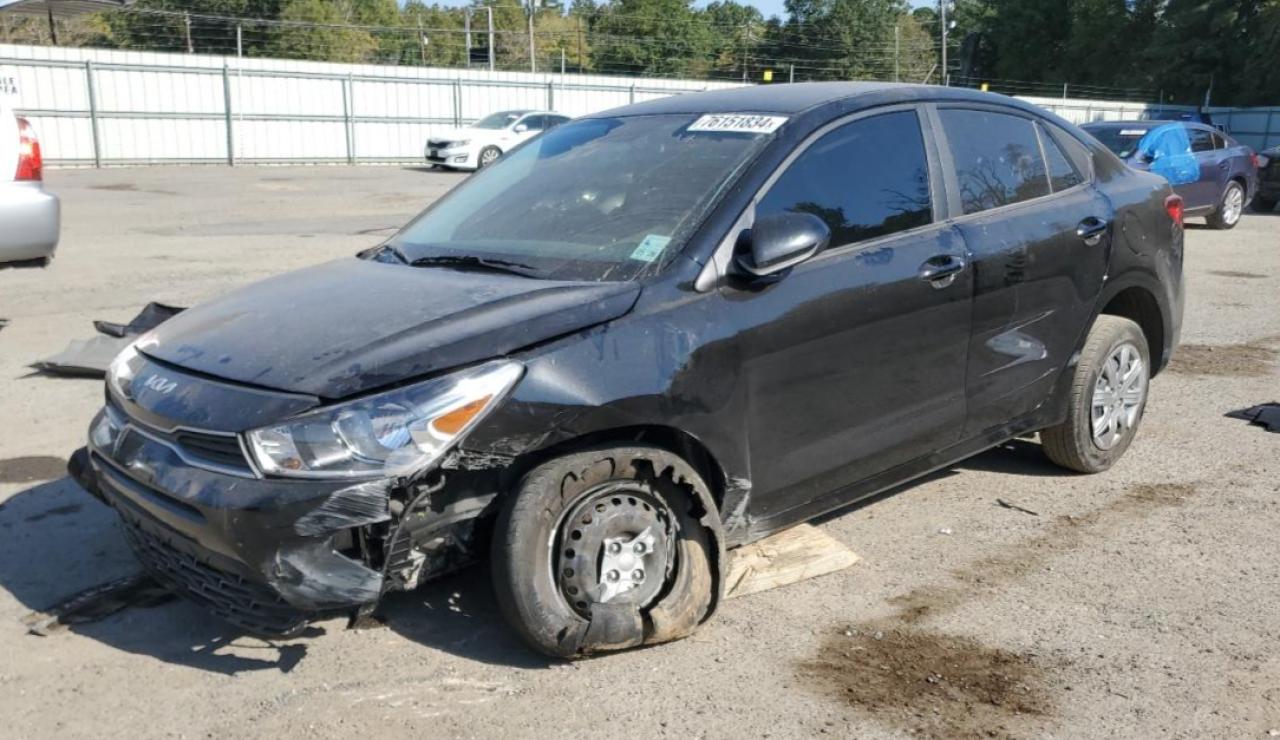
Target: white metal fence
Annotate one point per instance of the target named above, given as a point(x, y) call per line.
point(96, 107)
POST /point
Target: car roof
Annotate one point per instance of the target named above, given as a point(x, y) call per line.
point(1147, 123)
point(795, 98)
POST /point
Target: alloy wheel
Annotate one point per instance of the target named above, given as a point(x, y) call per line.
point(1118, 395)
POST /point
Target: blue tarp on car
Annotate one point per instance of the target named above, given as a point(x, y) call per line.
point(1168, 149)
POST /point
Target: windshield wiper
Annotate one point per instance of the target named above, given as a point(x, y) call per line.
point(471, 262)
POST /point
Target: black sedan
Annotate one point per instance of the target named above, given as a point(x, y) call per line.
point(643, 338)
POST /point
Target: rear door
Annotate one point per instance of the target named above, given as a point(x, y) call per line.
point(1024, 194)
point(1207, 189)
point(856, 359)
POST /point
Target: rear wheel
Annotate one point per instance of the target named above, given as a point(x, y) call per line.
point(1108, 395)
point(1229, 208)
point(602, 550)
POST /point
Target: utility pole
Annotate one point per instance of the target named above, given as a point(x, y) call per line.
point(490, 9)
point(580, 58)
point(896, 59)
point(466, 24)
point(533, 65)
point(186, 19)
point(239, 41)
point(942, 7)
point(791, 76)
point(53, 27)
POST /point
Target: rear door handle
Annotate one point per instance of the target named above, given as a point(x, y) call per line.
point(1091, 230)
point(941, 271)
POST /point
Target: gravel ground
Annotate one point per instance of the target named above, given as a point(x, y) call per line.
point(1137, 603)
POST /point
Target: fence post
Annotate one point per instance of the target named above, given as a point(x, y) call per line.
point(633, 92)
point(458, 118)
point(93, 112)
point(551, 96)
point(348, 133)
point(1266, 135)
point(226, 107)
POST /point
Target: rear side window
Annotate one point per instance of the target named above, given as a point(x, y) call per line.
point(1201, 140)
point(1219, 142)
point(1062, 173)
point(865, 179)
point(997, 158)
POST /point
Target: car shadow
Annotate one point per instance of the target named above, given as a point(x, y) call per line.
point(57, 541)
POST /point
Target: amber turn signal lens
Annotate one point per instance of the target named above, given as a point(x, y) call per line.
point(454, 421)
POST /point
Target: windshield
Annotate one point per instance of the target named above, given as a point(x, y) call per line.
point(595, 199)
point(1121, 140)
point(498, 120)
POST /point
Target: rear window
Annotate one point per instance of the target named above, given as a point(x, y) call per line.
point(1121, 140)
point(997, 158)
point(1201, 140)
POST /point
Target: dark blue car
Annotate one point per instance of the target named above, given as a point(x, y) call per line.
point(1215, 175)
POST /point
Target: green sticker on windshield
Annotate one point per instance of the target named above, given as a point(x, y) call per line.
point(650, 247)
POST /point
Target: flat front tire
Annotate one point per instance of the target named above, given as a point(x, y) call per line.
point(1107, 397)
point(603, 550)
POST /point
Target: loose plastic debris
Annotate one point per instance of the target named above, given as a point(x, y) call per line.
point(89, 358)
point(1265, 415)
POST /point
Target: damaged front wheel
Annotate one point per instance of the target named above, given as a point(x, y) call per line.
point(604, 550)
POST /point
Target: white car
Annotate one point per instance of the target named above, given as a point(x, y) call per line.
point(30, 218)
point(481, 143)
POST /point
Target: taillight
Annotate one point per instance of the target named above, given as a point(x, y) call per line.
point(30, 163)
point(1173, 204)
point(1257, 161)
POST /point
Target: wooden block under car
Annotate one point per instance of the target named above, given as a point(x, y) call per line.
point(789, 556)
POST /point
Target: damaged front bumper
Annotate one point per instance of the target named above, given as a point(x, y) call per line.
point(265, 554)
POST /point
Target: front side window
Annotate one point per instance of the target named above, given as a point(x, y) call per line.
point(997, 158)
point(865, 179)
point(533, 123)
point(593, 199)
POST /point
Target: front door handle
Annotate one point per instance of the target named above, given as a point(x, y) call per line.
point(1091, 230)
point(941, 271)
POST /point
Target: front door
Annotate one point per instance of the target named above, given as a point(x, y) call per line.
point(856, 359)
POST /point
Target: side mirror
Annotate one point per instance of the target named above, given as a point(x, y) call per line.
point(520, 128)
point(781, 241)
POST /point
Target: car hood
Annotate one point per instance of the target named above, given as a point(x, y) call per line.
point(353, 325)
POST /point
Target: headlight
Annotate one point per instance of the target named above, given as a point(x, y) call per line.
point(124, 367)
point(389, 434)
point(456, 144)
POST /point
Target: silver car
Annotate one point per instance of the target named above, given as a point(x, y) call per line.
point(30, 217)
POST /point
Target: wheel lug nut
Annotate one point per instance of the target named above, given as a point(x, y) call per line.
point(613, 575)
point(615, 547)
point(639, 548)
point(637, 575)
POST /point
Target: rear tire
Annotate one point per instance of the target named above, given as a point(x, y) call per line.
point(1229, 209)
point(1106, 403)
point(603, 550)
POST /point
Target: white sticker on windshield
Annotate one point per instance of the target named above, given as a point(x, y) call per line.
point(650, 247)
point(738, 123)
point(1133, 132)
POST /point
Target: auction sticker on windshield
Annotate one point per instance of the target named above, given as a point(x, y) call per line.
point(738, 123)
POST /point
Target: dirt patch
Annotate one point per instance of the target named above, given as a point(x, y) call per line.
point(32, 469)
point(1251, 359)
point(121, 187)
point(1238, 274)
point(939, 685)
point(55, 511)
point(933, 685)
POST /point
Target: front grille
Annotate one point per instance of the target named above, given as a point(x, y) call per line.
point(439, 144)
point(215, 448)
point(184, 567)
